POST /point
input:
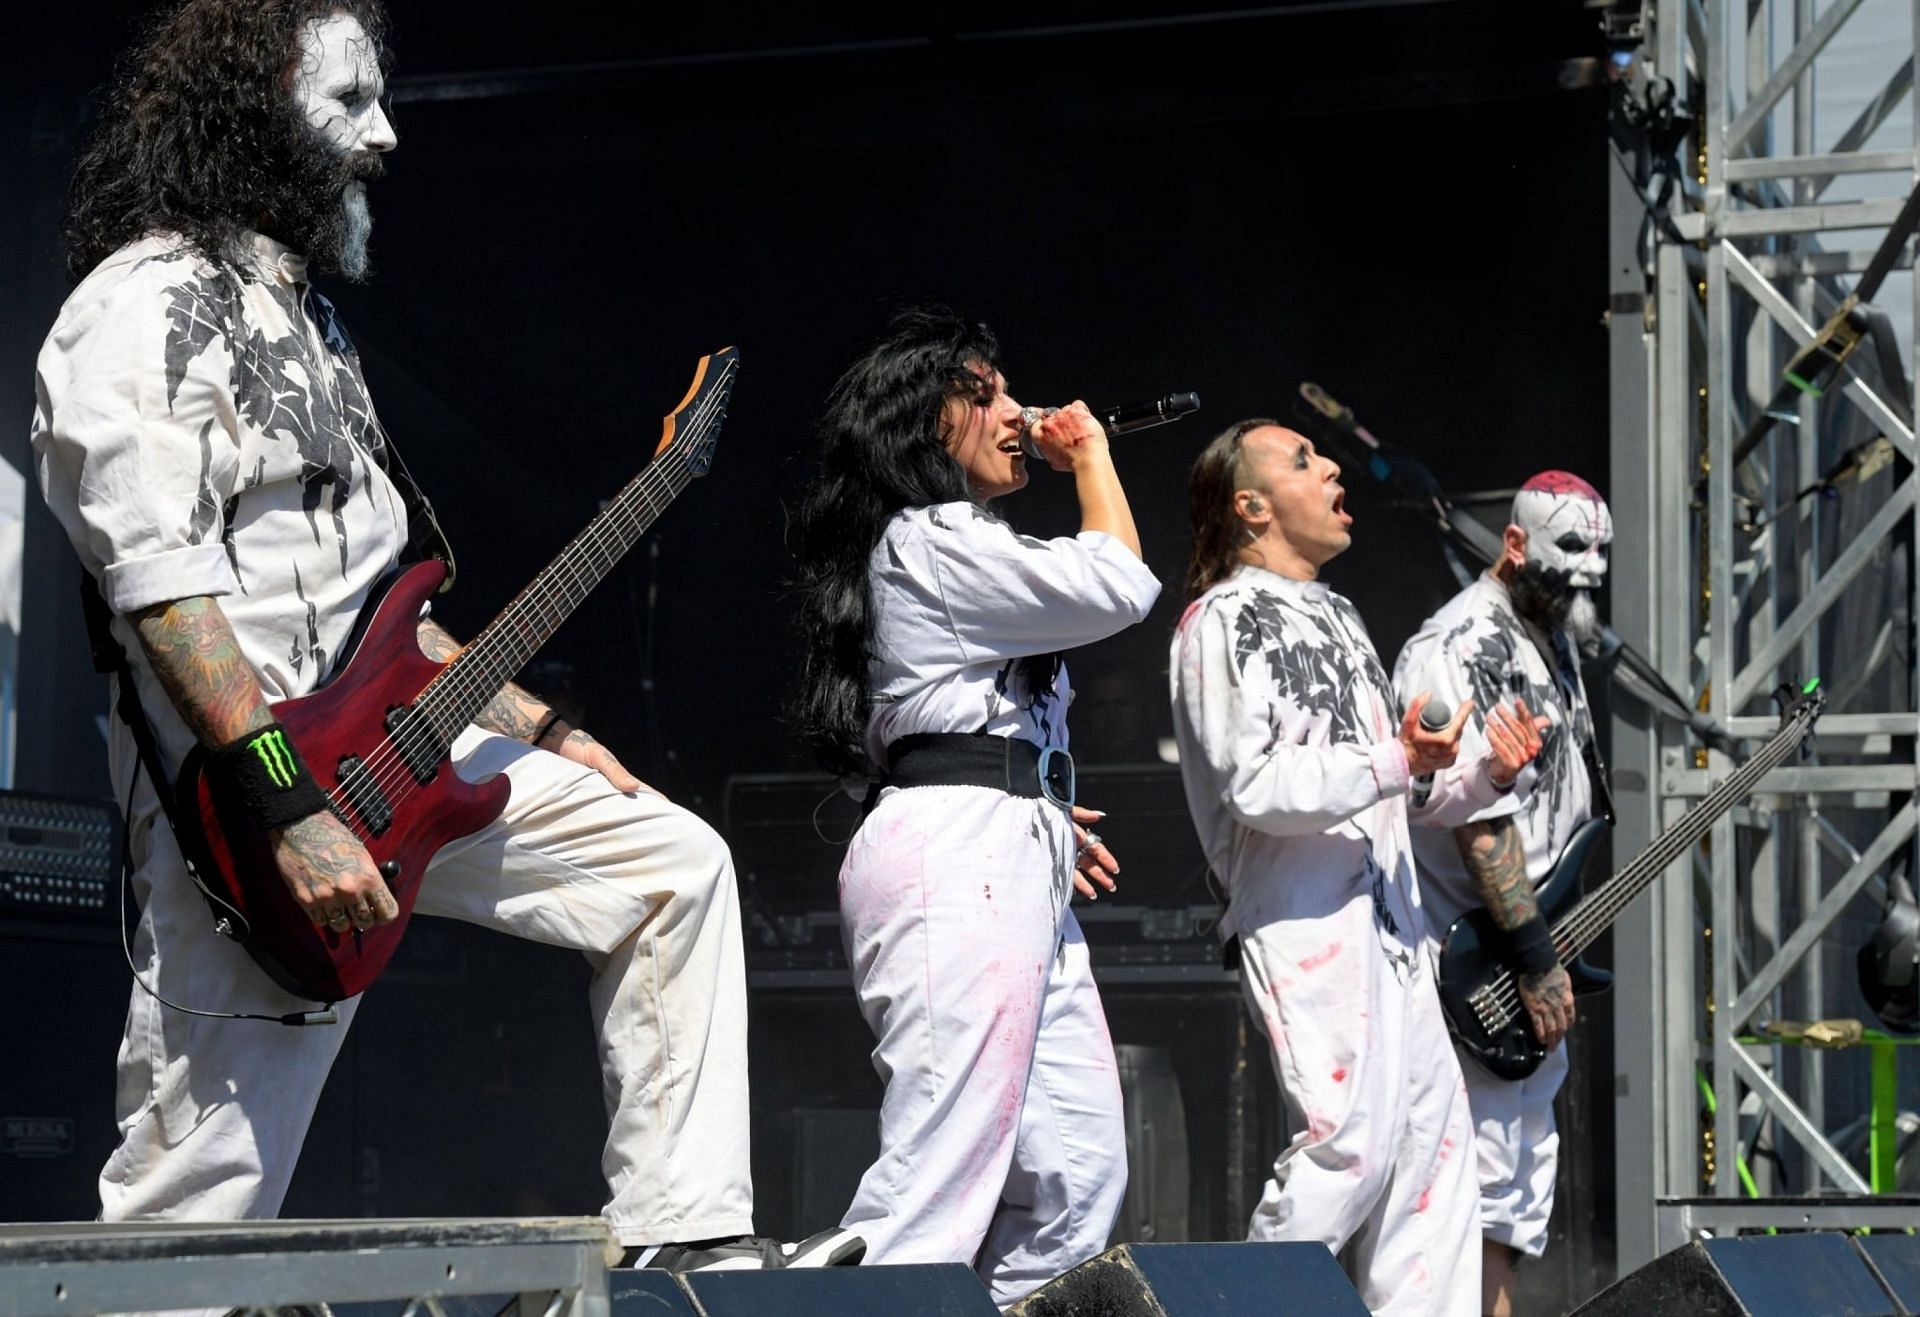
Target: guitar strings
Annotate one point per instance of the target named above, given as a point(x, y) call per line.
point(571, 565)
point(1593, 916)
point(386, 769)
point(1582, 926)
point(1502, 988)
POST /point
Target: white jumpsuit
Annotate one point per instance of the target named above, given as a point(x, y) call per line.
point(205, 430)
point(1002, 1141)
point(1476, 647)
point(1294, 774)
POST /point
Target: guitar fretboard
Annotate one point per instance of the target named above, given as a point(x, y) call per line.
point(489, 662)
point(1597, 911)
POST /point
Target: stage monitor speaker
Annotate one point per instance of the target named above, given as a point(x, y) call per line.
point(1804, 1275)
point(642, 1293)
point(945, 1290)
point(64, 989)
point(1156, 1208)
point(1199, 1280)
point(1897, 1259)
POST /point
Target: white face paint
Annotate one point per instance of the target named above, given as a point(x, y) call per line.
point(337, 85)
point(1567, 532)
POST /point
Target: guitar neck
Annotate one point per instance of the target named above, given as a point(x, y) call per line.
point(1596, 912)
point(466, 685)
point(490, 661)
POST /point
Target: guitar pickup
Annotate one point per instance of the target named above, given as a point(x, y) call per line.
point(364, 794)
point(417, 743)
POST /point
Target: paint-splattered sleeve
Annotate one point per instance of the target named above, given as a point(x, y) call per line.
point(1269, 756)
point(136, 452)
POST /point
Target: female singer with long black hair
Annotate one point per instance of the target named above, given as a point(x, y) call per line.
point(932, 632)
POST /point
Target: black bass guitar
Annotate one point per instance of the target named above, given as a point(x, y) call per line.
point(1478, 992)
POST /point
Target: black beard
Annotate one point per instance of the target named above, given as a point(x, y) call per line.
point(1542, 595)
point(307, 209)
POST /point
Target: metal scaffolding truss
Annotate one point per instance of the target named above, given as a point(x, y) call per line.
point(1731, 250)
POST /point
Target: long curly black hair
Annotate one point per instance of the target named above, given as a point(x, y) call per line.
point(199, 136)
point(882, 448)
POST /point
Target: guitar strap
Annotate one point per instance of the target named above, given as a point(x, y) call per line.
point(425, 538)
point(1590, 755)
point(1597, 771)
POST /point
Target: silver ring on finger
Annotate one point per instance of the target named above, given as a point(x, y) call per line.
point(339, 917)
point(1093, 839)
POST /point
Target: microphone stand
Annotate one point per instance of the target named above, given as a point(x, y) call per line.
point(1334, 426)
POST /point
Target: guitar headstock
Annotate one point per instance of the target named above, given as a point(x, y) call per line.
point(691, 430)
point(1801, 703)
point(1799, 707)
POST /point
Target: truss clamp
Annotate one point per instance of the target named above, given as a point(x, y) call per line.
point(1813, 365)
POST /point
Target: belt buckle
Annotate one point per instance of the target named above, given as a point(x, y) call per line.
point(1052, 759)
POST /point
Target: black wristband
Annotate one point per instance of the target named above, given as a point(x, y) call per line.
point(545, 726)
point(264, 775)
point(1530, 947)
point(557, 729)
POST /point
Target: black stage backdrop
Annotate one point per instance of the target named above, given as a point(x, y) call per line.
point(1402, 202)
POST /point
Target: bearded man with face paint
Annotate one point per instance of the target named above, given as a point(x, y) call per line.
point(1298, 762)
point(1516, 633)
point(203, 433)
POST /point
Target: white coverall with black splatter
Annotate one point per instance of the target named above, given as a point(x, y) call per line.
point(1295, 776)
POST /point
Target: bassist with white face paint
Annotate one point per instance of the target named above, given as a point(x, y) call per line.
point(1516, 633)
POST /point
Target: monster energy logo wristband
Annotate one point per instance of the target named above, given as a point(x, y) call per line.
point(263, 774)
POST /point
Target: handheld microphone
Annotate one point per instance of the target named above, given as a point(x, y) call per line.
point(1434, 717)
point(1122, 418)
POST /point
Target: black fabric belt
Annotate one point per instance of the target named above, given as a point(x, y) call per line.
point(955, 759)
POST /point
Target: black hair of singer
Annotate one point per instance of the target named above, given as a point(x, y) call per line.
point(881, 449)
point(198, 135)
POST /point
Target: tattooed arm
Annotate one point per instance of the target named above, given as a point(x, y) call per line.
point(514, 712)
point(519, 713)
point(197, 661)
point(1496, 860)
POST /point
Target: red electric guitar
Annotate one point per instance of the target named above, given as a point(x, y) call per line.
point(376, 735)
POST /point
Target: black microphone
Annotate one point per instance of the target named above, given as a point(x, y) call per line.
point(1131, 416)
point(1123, 418)
point(1434, 717)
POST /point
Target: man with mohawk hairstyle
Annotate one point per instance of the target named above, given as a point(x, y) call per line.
point(1516, 633)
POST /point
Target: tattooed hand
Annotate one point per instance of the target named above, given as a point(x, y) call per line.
point(331, 875)
point(580, 747)
point(1548, 997)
